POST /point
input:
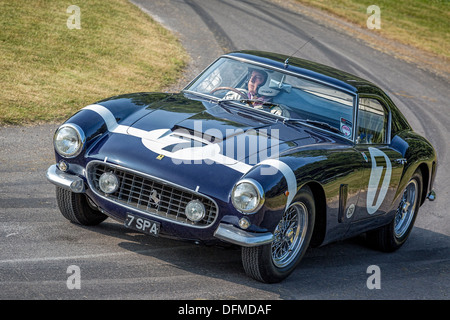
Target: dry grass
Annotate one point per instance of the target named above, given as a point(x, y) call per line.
point(50, 71)
point(424, 24)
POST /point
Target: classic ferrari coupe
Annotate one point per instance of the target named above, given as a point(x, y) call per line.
point(268, 152)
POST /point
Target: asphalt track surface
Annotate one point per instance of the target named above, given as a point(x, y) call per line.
point(37, 245)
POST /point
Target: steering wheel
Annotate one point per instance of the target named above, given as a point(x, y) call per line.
point(230, 89)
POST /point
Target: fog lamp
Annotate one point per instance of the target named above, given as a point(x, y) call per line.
point(195, 210)
point(108, 182)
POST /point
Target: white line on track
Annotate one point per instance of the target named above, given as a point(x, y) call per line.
point(86, 256)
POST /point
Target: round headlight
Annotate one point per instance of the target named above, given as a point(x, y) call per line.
point(195, 210)
point(68, 140)
point(247, 196)
point(108, 182)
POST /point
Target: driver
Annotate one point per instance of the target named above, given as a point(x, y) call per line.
point(256, 79)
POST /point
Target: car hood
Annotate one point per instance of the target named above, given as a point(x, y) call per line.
point(190, 129)
point(197, 143)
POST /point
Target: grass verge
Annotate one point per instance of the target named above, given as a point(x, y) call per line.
point(424, 24)
point(50, 71)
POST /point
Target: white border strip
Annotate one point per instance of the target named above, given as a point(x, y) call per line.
point(288, 174)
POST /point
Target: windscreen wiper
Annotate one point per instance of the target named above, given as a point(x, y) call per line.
point(252, 101)
point(324, 125)
point(316, 123)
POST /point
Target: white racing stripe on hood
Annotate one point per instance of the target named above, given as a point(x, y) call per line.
point(107, 116)
point(114, 127)
point(111, 122)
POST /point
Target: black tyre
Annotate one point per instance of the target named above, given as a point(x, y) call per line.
point(75, 208)
point(392, 236)
point(274, 262)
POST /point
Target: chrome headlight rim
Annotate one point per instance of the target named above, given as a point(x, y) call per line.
point(259, 192)
point(80, 137)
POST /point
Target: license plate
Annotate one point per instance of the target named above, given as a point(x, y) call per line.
point(143, 225)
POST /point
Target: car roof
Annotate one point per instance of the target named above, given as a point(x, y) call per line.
point(311, 69)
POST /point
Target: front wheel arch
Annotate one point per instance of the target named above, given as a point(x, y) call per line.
point(320, 223)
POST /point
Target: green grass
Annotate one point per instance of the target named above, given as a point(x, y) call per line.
point(424, 24)
point(49, 71)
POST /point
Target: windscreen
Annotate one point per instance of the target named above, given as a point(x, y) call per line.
point(272, 90)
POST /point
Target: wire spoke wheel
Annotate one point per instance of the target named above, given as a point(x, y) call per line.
point(290, 235)
point(406, 209)
point(275, 261)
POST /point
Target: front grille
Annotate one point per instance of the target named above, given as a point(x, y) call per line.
point(150, 195)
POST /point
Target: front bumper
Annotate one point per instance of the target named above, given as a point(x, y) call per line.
point(225, 232)
point(64, 180)
point(234, 235)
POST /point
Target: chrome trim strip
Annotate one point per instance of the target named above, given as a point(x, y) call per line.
point(234, 235)
point(153, 216)
point(64, 180)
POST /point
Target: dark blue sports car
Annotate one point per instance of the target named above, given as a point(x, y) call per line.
point(264, 151)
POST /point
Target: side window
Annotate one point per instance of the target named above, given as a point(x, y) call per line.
point(372, 122)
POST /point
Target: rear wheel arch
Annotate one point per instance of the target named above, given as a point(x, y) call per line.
point(425, 181)
point(393, 235)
